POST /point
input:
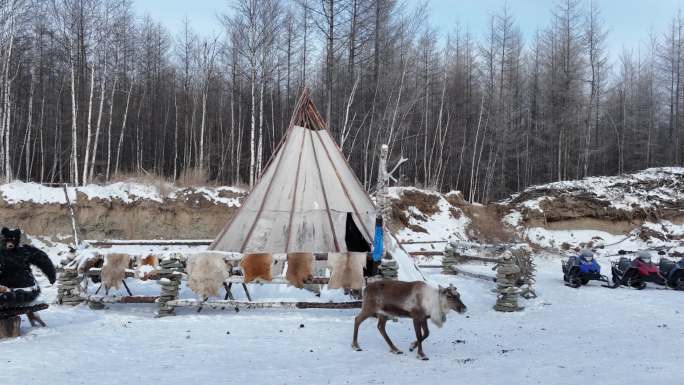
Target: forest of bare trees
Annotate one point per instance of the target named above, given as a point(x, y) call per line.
point(90, 91)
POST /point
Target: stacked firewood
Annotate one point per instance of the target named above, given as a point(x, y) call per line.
point(170, 283)
point(389, 269)
point(68, 288)
point(507, 274)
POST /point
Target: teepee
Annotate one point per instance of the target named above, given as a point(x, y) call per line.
point(301, 201)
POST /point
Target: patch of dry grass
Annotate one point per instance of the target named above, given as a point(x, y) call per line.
point(193, 177)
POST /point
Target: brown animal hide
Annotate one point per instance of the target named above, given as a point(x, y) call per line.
point(299, 268)
point(257, 266)
point(147, 267)
point(150, 260)
point(114, 270)
point(347, 270)
point(88, 263)
point(206, 273)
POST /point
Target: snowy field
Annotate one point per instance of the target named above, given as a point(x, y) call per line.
point(590, 335)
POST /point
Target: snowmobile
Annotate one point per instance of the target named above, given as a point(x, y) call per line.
point(635, 273)
point(579, 270)
point(672, 272)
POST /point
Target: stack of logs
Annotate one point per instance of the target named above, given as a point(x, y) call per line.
point(68, 283)
point(522, 257)
point(170, 283)
point(450, 258)
point(68, 288)
point(389, 269)
point(506, 277)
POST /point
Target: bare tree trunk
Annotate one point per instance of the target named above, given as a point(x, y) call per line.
point(109, 129)
point(74, 127)
point(99, 121)
point(90, 125)
point(123, 131)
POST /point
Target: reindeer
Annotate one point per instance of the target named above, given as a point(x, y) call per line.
point(416, 300)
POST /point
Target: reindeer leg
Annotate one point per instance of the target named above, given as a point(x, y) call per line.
point(426, 332)
point(417, 325)
point(382, 321)
point(357, 322)
point(425, 335)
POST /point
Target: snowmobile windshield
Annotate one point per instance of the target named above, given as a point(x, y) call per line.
point(645, 259)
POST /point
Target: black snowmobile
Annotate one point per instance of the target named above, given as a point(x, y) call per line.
point(636, 272)
point(579, 270)
point(673, 272)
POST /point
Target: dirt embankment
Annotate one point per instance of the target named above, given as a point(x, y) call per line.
point(615, 204)
point(416, 206)
point(188, 216)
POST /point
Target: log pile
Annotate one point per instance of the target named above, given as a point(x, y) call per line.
point(170, 284)
point(450, 258)
point(389, 269)
point(506, 277)
point(68, 287)
point(522, 258)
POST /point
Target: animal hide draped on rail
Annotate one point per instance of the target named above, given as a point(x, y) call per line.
point(206, 273)
point(89, 261)
point(299, 268)
point(147, 267)
point(347, 270)
point(114, 270)
point(257, 266)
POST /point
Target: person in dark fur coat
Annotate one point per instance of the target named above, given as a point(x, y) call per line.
point(17, 284)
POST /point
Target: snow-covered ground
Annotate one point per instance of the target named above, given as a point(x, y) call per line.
point(566, 336)
point(590, 335)
point(127, 192)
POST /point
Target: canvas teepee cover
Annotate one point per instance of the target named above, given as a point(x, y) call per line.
point(301, 201)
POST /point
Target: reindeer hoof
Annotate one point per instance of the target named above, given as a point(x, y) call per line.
point(412, 347)
point(396, 351)
point(357, 348)
point(423, 357)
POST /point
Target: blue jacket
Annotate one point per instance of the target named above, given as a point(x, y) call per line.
point(377, 244)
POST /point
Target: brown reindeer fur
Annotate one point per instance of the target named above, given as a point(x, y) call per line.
point(416, 300)
point(206, 273)
point(299, 268)
point(146, 267)
point(96, 261)
point(347, 270)
point(114, 270)
point(257, 266)
point(150, 260)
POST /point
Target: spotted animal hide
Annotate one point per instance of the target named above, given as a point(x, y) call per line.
point(257, 266)
point(299, 268)
point(114, 270)
point(347, 270)
point(206, 273)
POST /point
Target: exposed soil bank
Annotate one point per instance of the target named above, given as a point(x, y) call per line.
point(189, 216)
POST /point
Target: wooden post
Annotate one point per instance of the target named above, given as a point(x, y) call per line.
point(10, 327)
point(72, 214)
